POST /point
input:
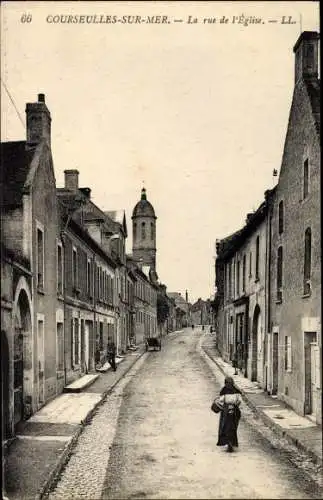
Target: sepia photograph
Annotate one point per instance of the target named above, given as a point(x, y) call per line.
point(160, 250)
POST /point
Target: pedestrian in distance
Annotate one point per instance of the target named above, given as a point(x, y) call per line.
point(228, 404)
point(111, 355)
point(192, 327)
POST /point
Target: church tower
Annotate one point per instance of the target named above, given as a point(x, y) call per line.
point(144, 232)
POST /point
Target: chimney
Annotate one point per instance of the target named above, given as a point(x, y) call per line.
point(249, 217)
point(71, 180)
point(186, 296)
point(306, 55)
point(38, 122)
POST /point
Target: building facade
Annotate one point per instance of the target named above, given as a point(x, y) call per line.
point(275, 305)
point(29, 219)
point(201, 312)
point(242, 282)
point(295, 256)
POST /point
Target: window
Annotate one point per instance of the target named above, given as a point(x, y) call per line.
point(257, 259)
point(250, 265)
point(306, 179)
point(111, 290)
point(75, 341)
point(74, 267)
point(228, 268)
point(152, 231)
point(244, 274)
point(307, 261)
point(89, 278)
point(99, 283)
point(60, 347)
point(288, 353)
point(281, 217)
point(134, 230)
point(279, 277)
point(143, 230)
point(59, 269)
point(40, 258)
point(238, 277)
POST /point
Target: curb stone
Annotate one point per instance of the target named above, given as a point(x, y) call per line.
point(272, 425)
point(48, 483)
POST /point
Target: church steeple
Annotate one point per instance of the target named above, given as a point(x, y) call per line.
point(144, 231)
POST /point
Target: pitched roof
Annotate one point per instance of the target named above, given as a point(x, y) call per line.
point(15, 165)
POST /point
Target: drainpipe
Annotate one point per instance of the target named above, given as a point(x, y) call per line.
point(246, 337)
point(63, 237)
point(267, 288)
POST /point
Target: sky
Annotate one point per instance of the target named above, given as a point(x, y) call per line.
point(197, 112)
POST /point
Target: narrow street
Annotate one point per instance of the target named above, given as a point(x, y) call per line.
point(155, 437)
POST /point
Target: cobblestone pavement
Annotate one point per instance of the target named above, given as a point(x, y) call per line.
point(84, 474)
point(155, 437)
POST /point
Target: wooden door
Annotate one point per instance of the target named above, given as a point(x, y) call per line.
point(18, 375)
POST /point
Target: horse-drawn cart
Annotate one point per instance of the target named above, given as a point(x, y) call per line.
point(153, 342)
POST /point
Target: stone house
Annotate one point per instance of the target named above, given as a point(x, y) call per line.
point(130, 304)
point(241, 282)
point(116, 219)
point(201, 313)
point(89, 290)
point(182, 308)
point(279, 314)
point(145, 302)
point(29, 304)
point(295, 264)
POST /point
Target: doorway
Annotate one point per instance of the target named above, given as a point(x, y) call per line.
point(275, 364)
point(41, 361)
point(22, 359)
point(6, 431)
point(87, 346)
point(311, 359)
point(256, 345)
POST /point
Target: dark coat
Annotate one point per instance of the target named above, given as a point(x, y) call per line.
point(229, 420)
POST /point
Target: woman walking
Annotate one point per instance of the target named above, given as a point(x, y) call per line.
point(229, 402)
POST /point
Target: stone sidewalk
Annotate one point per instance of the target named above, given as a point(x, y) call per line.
point(300, 431)
point(45, 440)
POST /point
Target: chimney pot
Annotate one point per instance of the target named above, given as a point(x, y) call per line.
point(41, 97)
point(86, 191)
point(249, 217)
point(71, 179)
